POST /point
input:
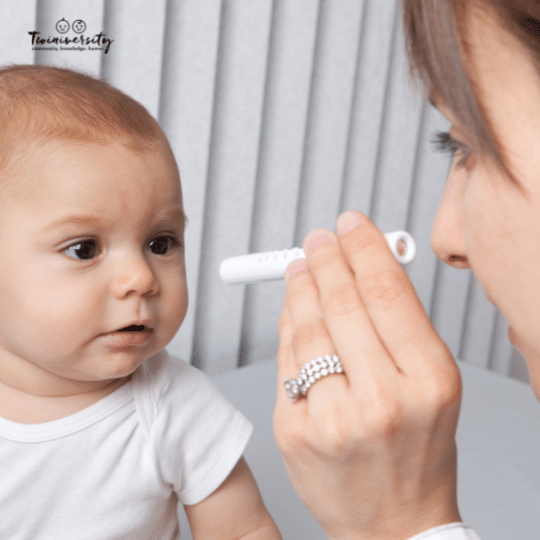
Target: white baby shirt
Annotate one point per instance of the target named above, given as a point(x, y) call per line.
point(117, 469)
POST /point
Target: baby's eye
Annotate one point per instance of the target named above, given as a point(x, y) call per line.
point(161, 245)
point(84, 250)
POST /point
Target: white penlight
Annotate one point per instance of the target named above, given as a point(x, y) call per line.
point(271, 265)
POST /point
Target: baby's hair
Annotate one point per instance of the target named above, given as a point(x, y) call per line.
point(40, 104)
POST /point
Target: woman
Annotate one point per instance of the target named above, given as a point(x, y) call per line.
point(372, 451)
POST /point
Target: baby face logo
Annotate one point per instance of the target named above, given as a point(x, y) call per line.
point(62, 26)
point(79, 26)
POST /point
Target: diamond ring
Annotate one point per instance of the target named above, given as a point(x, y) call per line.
point(311, 372)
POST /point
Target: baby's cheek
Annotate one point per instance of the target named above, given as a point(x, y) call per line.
point(175, 304)
point(69, 314)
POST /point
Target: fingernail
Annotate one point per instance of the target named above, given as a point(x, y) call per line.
point(347, 222)
point(315, 239)
point(294, 268)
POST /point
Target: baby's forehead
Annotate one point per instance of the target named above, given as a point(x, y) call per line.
point(49, 151)
point(79, 173)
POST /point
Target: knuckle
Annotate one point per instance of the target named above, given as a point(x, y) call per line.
point(382, 413)
point(445, 388)
point(339, 434)
point(383, 419)
point(440, 389)
point(384, 287)
point(288, 433)
point(301, 285)
point(283, 353)
point(310, 332)
point(342, 300)
point(358, 244)
point(368, 427)
point(284, 322)
point(323, 255)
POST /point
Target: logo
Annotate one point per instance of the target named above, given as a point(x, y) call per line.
point(77, 41)
point(62, 26)
point(79, 26)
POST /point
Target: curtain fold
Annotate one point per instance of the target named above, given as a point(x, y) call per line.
point(281, 115)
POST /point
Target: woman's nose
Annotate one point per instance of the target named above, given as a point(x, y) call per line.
point(134, 277)
point(448, 234)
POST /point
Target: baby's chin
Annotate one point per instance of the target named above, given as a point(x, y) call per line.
point(117, 364)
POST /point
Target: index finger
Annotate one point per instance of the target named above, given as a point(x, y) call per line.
point(389, 297)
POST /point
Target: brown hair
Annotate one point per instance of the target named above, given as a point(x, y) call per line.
point(435, 41)
point(41, 103)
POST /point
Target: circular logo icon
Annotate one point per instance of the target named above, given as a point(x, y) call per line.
point(62, 26)
point(79, 26)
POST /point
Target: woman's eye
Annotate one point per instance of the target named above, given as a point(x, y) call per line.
point(161, 245)
point(83, 251)
point(444, 142)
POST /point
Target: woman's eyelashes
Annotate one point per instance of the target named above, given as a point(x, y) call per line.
point(84, 250)
point(444, 142)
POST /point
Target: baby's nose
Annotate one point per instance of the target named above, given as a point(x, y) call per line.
point(135, 277)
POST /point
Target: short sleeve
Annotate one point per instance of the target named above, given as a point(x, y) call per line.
point(451, 531)
point(196, 434)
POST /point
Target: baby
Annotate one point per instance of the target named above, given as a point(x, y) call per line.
point(101, 433)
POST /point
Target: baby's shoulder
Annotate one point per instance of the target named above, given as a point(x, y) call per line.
point(163, 370)
point(164, 380)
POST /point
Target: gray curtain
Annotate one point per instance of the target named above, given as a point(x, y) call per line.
point(281, 113)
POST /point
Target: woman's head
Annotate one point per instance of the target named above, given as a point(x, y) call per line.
point(480, 64)
point(438, 40)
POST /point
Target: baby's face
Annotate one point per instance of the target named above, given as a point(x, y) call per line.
point(91, 242)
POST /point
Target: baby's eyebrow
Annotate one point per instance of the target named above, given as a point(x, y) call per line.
point(176, 214)
point(71, 220)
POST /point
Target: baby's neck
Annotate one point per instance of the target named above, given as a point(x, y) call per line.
point(25, 408)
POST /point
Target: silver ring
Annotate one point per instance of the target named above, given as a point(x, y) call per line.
point(311, 372)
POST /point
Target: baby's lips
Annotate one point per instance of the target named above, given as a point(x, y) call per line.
point(134, 326)
point(128, 337)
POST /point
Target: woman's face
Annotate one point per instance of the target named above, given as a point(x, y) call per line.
point(485, 222)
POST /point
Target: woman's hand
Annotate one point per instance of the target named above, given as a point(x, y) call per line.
point(371, 452)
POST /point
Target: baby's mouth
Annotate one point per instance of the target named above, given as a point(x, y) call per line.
point(127, 337)
point(134, 328)
point(131, 329)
